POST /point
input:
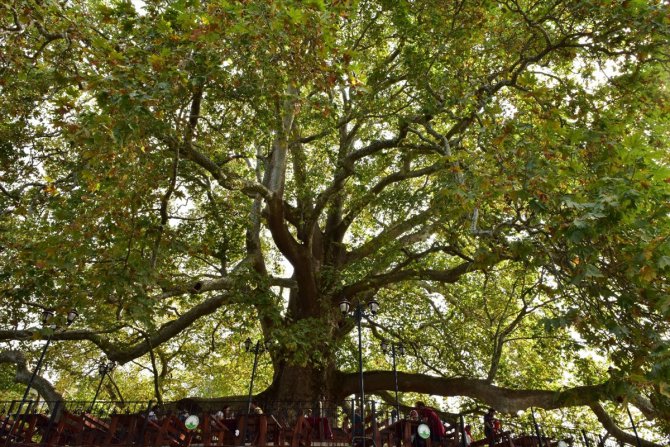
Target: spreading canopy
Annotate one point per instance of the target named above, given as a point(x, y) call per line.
point(495, 174)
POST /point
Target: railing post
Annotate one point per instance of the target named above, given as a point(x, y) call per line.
point(353, 420)
point(6, 422)
point(376, 439)
point(19, 421)
point(52, 419)
point(139, 440)
point(545, 437)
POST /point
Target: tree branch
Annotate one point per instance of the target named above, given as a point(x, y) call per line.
point(374, 282)
point(23, 375)
point(396, 177)
point(615, 431)
point(506, 400)
point(124, 354)
point(346, 168)
point(391, 233)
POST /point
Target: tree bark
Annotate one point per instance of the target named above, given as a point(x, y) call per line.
point(506, 400)
point(294, 383)
point(22, 375)
point(615, 431)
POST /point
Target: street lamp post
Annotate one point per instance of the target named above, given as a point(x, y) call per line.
point(358, 313)
point(104, 368)
point(632, 423)
point(396, 350)
point(257, 348)
point(461, 428)
point(537, 427)
point(47, 315)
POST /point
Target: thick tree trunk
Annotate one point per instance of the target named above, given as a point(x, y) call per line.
point(294, 383)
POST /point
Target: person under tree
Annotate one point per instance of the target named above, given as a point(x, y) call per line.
point(489, 429)
point(437, 430)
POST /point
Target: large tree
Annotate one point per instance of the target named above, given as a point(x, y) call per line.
point(494, 174)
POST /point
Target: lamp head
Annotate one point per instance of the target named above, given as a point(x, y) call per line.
point(400, 349)
point(47, 315)
point(345, 305)
point(385, 346)
point(373, 305)
point(247, 344)
point(71, 316)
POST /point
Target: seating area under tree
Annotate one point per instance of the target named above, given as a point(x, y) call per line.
point(283, 424)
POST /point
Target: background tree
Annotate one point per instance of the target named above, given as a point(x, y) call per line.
point(494, 173)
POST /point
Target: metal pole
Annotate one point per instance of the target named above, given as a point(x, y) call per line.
point(139, 439)
point(630, 416)
point(102, 379)
point(586, 439)
point(38, 367)
point(359, 316)
point(461, 427)
point(253, 374)
point(545, 437)
point(395, 377)
point(373, 421)
point(52, 420)
point(537, 427)
point(5, 422)
point(30, 384)
point(353, 418)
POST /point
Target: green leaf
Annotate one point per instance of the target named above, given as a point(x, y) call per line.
point(663, 262)
point(591, 271)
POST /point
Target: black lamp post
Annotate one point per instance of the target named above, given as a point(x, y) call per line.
point(358, 313)
point(257, 348)
point(585, 438)
point(632, 423)
point(461, 428)
point(395, 350)
point(537, 428)
point(47, 315)
point(104, 368)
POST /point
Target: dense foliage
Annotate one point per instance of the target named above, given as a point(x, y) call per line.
point(494, 173)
